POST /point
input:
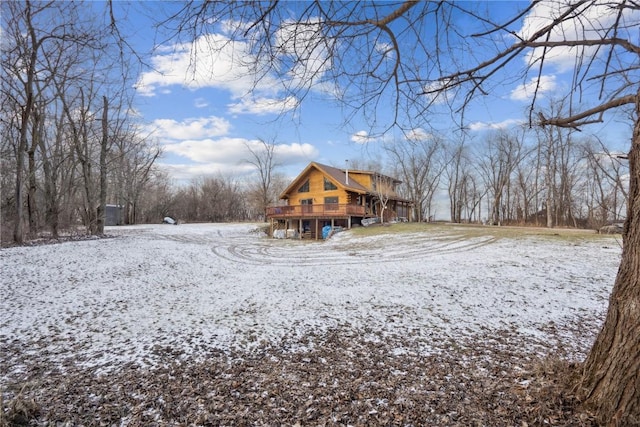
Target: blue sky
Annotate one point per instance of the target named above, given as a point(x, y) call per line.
point(204, 119)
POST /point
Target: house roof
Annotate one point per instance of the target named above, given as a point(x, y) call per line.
point(338, 176)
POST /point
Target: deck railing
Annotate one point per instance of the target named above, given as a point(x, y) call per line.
point(325, 210)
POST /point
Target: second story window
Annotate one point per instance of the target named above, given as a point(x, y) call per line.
point(331, 203)
point(328, 185)
point(304, 188)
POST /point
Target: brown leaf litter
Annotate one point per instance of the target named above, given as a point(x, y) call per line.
point(337, 379)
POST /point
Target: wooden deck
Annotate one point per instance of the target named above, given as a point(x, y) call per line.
point(315, 211)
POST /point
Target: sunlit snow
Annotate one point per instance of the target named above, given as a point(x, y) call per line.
point(192, 288)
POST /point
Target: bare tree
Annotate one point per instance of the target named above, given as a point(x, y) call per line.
point(605, 182)
point(67, 94)
point(23, 60)
point(612, 369)
point(455, 178)
point(263, 158)
point(78, 110)
point(132, 171)
point(463, 186)
point(156, 201)
point(559, 155)
point(420, 164)
point(500, 158)
point(528, 189)
point(383, 188)
point(58, 166)
point(207, 199)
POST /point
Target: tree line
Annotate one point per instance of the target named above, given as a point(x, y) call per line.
point(71, 143)
point(524, 176)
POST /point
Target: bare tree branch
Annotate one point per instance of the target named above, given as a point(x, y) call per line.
point(577, 120)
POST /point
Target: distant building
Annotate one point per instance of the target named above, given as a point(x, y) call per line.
point(113, 215)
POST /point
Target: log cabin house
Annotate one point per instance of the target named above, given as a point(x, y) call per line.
point(327, 196)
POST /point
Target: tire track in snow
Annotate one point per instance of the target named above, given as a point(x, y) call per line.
point(352, 253)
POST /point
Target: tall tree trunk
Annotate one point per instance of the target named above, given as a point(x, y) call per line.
point(87, 176)
point(497, 199)
point(549, 203)
point(18, 229)
point(102, 203)
point(32, 204)
point(25, 117)
point(611, 380)
point(549, 183)
point(50, 169)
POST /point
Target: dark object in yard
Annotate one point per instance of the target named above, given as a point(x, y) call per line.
point(328, 231)
point(611, 229)
point(368, 221)
point(169, 220)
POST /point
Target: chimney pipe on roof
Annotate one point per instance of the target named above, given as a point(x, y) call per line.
point(346, 172)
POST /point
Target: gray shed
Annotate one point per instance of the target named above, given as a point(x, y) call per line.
point(113, 215)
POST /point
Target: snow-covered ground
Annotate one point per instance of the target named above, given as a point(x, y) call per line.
point(194, 288)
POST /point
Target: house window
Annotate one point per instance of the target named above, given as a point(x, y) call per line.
point(304, 188)
point(307, 206)
point(328, 185)
point(331, 203)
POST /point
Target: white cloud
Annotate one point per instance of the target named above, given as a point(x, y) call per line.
point(437, 91)
point(594, 20)
point(215, 61)
point(417, 134)
point(222, 150)
point(212, 60)
point(206, 144)
point(505, 124)
point(296, 152)
point(200, 103)
point(195, 128)
point(186, 172)
point(525, 91)
point(362, 137)
point(233, 151)
point(385, 49)
point(285, 154)
point(262, 106)
point(229, 26)
point(307, 46)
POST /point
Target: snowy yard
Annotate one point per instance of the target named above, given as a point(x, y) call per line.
point(160, 294)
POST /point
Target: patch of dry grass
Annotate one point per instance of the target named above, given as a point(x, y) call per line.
point(475, 230)
point(19, 410)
